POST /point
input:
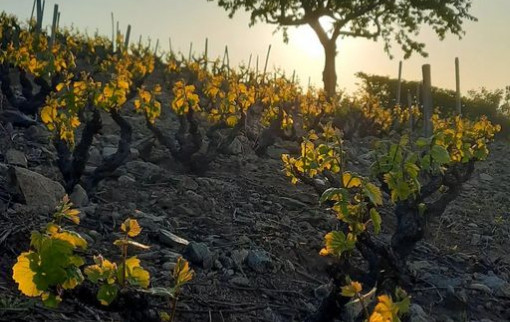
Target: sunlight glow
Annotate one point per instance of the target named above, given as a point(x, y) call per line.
point(305, 40)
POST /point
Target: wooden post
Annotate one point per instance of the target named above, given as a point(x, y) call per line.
point(399, 84)
point(205, 52)
point(249, 63)
point(457, 81)
point(418, 91)
point(170, 44)
point(39, 14)
point(42, 11)
point(257, 66)
point(427, 99)
point(156, 47)
point(309, 81)
point(113, 33)
point(140, 41)
point(58, 20)
point(410, 105)
point(117, 34)
point(190, 50)
point(54, 25)
point(293, 76)
point(128, 35)
point(267, 59)
point(33, 10)
point(226, 58)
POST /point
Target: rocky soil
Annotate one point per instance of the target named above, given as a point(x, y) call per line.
point(251, 237)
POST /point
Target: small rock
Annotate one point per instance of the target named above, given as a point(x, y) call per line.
point(475, 239)
point(170, 256)
point(195, 197)
point(227, 262)
point(293, 203)
point(16, 158)
point(95, 158)
point(322, 291)
point(236, 147)
point(417, 314)
point(486, 177)
point(108, 151)
point(198, 253)
point(258, 260)
point(169, 239)
point(240, 281)
point(37, 190)
point(417, 266)
point(38, 133)
point(79, 197)
point(239, 256)
point(187, 183)
point(89, 210)
point(276, 153)
point(3, 170)
point(143, 170)
point(243, 239)
point(168, 266)
point(269, 315)
point(95, 235)
point(481, 287)
point(126, 180)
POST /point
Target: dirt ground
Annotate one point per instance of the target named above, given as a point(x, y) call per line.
point(253, 237)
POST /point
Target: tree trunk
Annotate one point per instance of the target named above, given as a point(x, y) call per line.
point(329, 73)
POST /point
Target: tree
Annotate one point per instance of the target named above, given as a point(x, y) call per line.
point(389, 20)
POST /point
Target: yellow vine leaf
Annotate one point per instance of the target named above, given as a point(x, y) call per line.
point(182, 273)
point(136, 272)
point(23, 275)
point(350, 181)
point(352, 289)
point(131, 227)
point(386, 308)
point(48, 114)
point(377, 317)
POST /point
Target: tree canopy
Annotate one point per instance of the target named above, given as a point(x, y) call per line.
point(393, 21)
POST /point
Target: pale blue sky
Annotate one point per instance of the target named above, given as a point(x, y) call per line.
point(484, 51)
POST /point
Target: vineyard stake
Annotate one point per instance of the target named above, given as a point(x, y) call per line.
point(39, 13)
point(54, 25)
point(205, 52)
point(128, 34)
point(457, 81)
point(410, 104)
point(225, 57)
point(427, 99)
point(33, 10)
point(190, 49)
point(113, 33)
point(117, 36)
point(249, 63)
point(267, 60)
point(399, 84)
point(170, 44)
point(156, 47)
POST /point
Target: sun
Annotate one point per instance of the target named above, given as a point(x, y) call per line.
point(306, 41)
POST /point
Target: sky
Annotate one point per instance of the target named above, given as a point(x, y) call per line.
point(484, 52)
